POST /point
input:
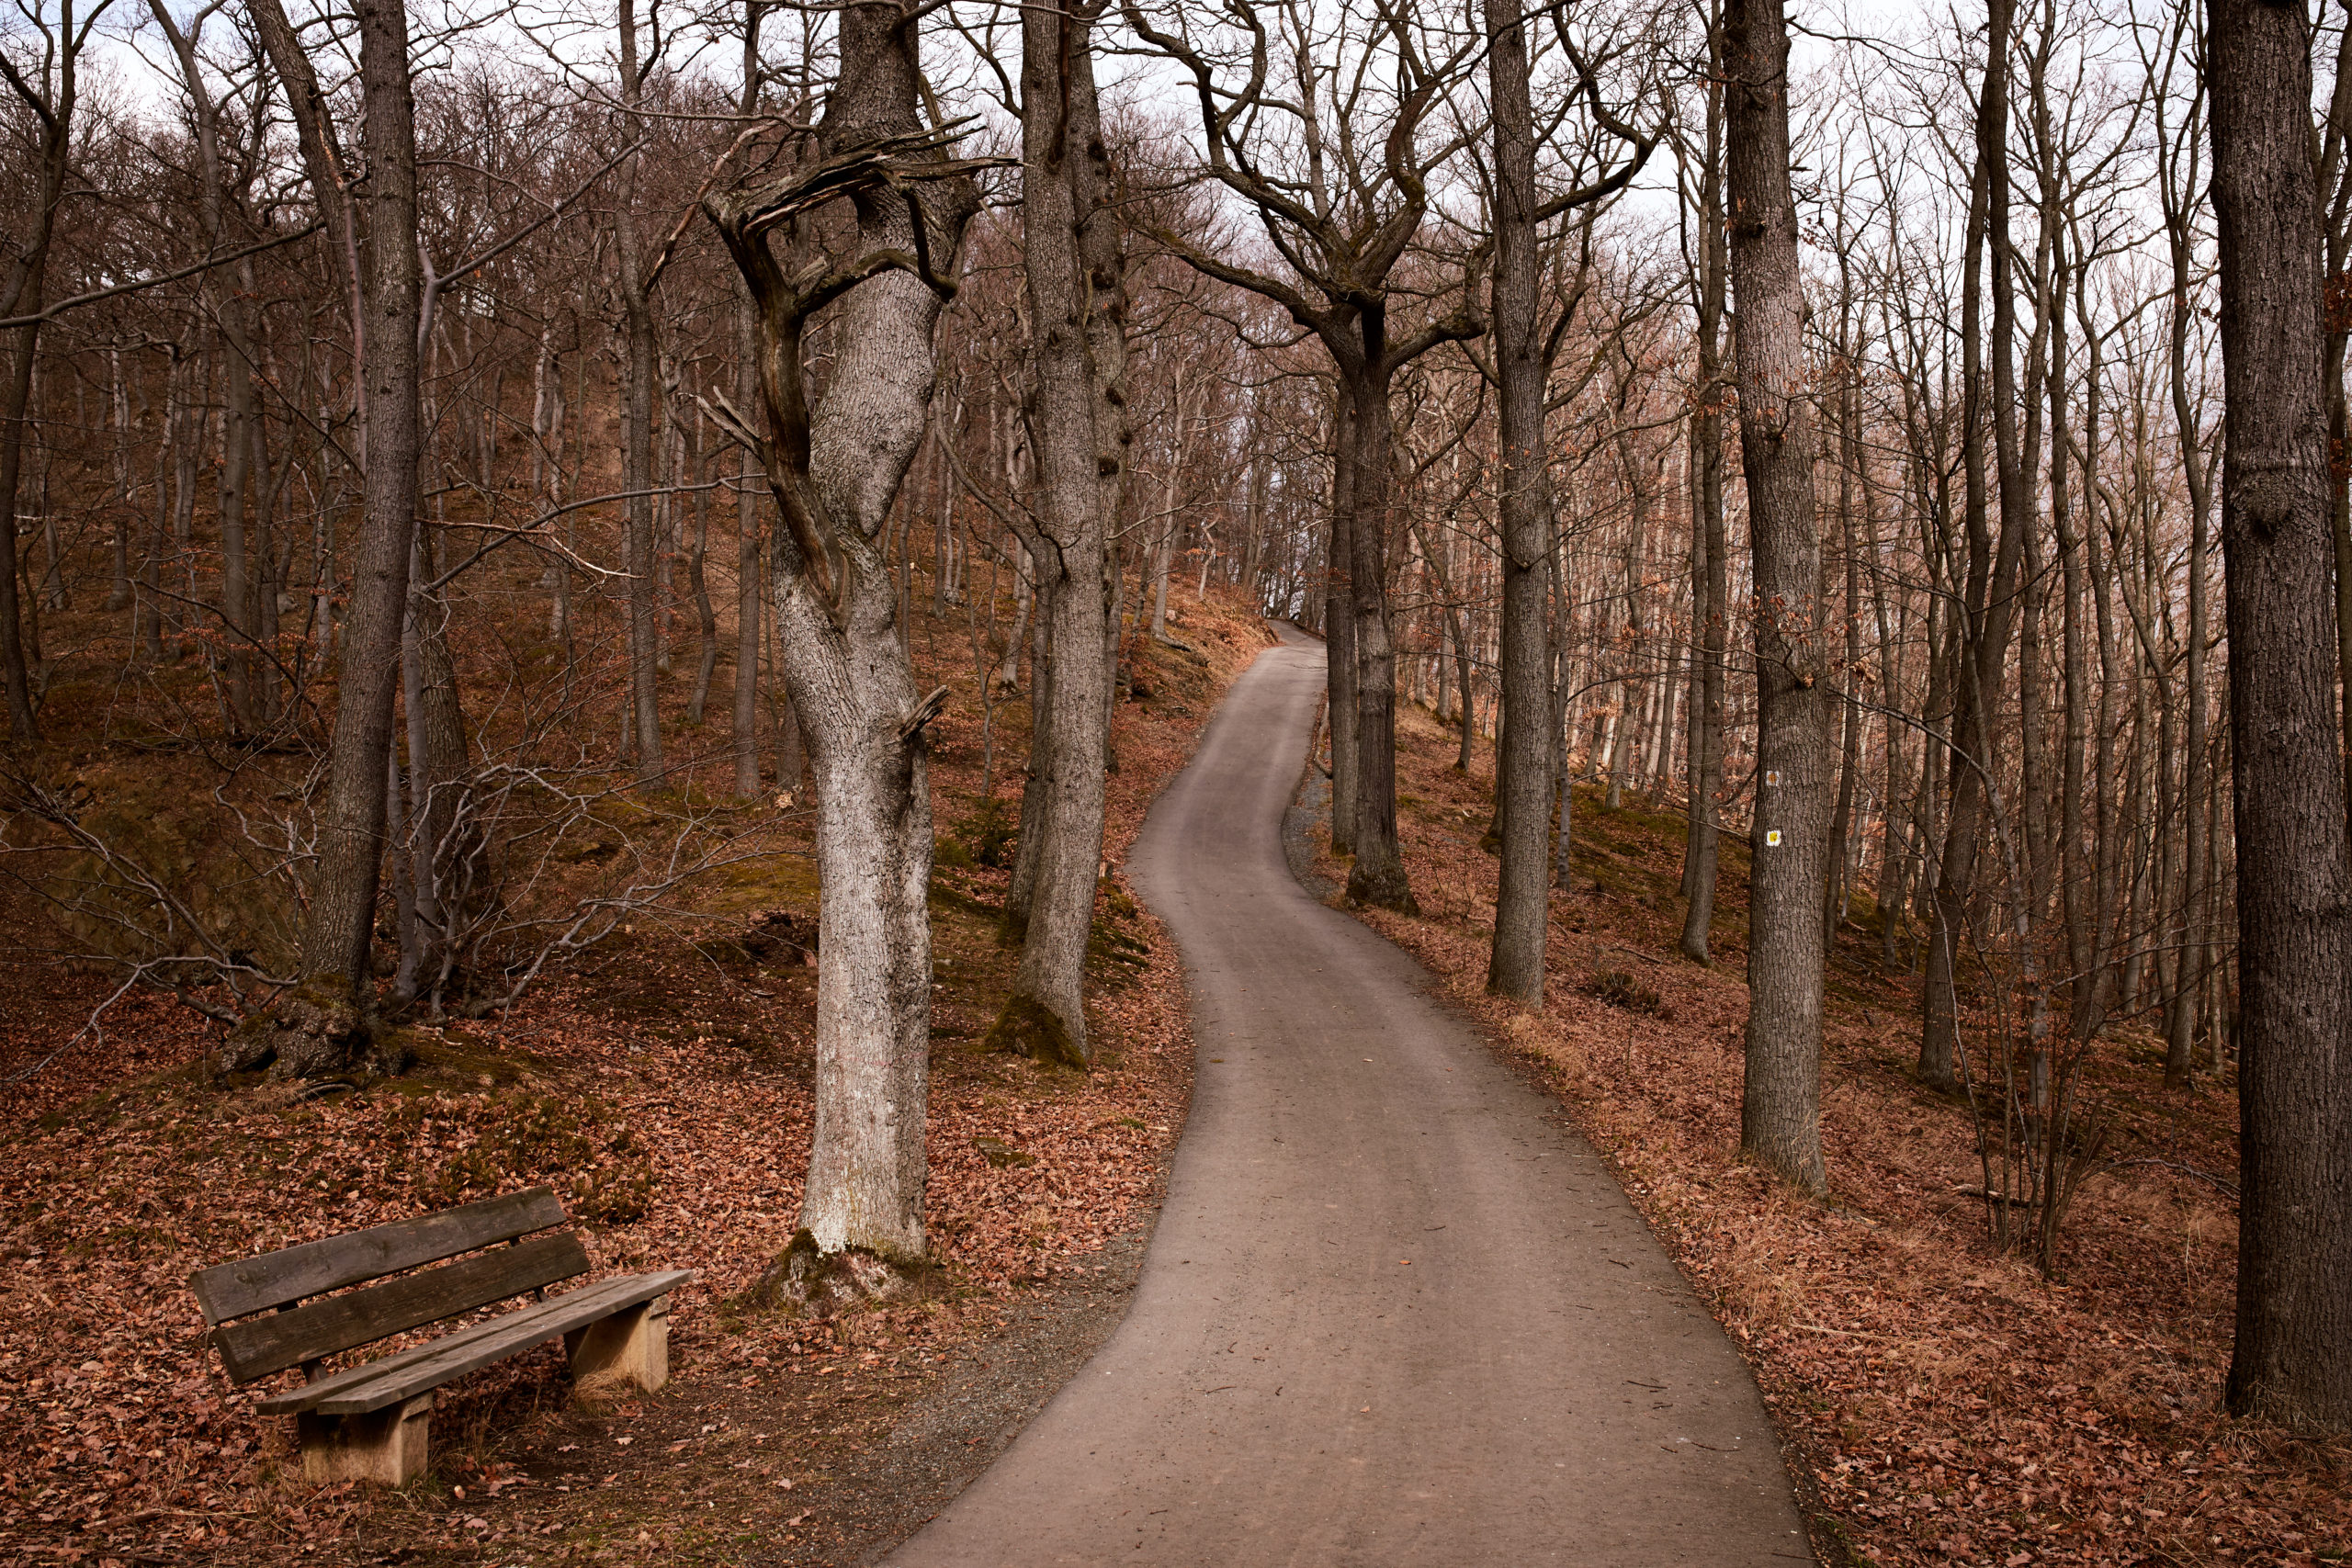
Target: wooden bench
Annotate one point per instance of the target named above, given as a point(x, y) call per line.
point(368, 1422)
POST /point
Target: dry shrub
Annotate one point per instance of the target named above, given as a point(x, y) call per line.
point(1618, 988)
point(1761, 1294)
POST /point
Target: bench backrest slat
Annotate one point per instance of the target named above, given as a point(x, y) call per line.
point(260, 1346)
point(255, 1284)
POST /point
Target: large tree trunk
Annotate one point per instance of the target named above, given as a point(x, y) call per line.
point(2293, 1358)
point(833, 476)
point(1781, 1111)
point(1078, 361)
point(1523, 766)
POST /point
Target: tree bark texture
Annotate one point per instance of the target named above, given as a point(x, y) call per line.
point(1339, 630)
point(2293, 1357)
point(351, 827)
point(1711, 586)
point(1376, 875)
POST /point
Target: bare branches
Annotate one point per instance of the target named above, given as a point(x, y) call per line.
point(747, 219)
point(895, 161)
point(136, 285)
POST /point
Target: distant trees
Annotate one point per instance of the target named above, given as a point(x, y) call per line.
point(48, 89)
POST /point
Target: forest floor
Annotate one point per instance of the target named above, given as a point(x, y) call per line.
point(1942, 1402)
point(664, 1089)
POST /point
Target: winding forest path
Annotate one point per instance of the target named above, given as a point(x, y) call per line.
point(1394, 1312)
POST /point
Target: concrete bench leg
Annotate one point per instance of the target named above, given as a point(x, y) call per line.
point(630, 1347)
point(386, 1446)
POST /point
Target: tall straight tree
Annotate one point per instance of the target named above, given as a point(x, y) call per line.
point(1524, 769)
point(1781, 1110)
point(1076, 393)
point(745, 735)
point(1989, 606)
point(833, 471)
point(2293, 1357)
point(1710, 546)
point(325, 1026)
point(635, 286)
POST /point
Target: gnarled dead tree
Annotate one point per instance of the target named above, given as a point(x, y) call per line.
point(833, 469)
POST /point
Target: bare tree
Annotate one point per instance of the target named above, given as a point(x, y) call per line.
point(1990, 599)
point(1337, 174)
point(49, 89)
point(1075, 276)
point(2293, 1358)
point(1524, 769)
point(833, 471)
point(745, 715)
point(1781, 1111)
point(635, 282)
point(1710, 548)
point(323, 1025)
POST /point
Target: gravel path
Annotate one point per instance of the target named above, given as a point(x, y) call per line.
point(1394, 1311)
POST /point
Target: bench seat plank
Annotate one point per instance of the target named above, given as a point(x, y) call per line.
point(403, 1376)
point(259, 1346)
point(273, 1278)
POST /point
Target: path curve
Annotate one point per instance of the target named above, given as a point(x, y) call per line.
point(1394, 1312)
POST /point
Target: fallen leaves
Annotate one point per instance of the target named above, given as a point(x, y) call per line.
point(1943, 1404)
point(666, 1094)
